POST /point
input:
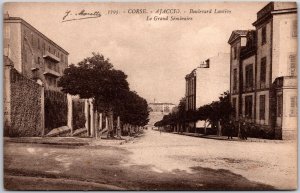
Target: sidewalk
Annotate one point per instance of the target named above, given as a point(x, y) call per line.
point(226, 138)
point(72, 141)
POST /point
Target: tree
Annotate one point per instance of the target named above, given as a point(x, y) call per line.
point(94, 77)
point(134, 109)
point(215, 112)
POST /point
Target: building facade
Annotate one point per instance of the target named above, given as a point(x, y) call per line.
point(263, 68)
point(164, 108)
point(158, 110)
point(206, 83)
point(34, 55)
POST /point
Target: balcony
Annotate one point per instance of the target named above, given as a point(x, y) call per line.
point(51, 57)
point(49, 72)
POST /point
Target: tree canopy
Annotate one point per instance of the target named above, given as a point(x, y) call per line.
point(213, 112)
point(95, 77)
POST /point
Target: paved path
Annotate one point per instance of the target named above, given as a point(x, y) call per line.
point(152, 162)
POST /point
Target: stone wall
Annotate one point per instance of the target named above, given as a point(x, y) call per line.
point(56, 110)
point(26, 107)
point(78, 114)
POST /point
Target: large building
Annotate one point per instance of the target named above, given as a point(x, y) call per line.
point(157, 111)
point(206, 83)
point(34, 104)
point(263, 68)
point(33, 54)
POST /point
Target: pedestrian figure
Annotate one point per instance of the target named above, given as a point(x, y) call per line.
point(243, 125)
point(229, 129)
point(160, 130)
point(244, 131)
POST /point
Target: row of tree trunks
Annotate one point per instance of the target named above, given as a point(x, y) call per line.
point(97, 129)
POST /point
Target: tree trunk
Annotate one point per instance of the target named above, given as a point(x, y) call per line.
point(219, 128)
point(100, 125)
point(118, 127)
point(110, 123)
point(106, 125)
point(96, 124)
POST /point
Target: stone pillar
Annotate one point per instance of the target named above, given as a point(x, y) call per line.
point(96, 124)
point(7, 99)
point(118, 127)
point(70, 113)
point(86, 113)
point(219, 129)
point(100, 124)
point(106, 123)
point(92, 124)
point(43, 110)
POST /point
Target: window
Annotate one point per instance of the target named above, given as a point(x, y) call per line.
point(262, 107)
point(248, 106)
point(234, 106)
point(235, 79)
point(279, 105)
point(292, 64)
point(235, 52)
point(293, 108)
point(249, 76)
point(49, 49)
point(294, 28)
point(44, 47)
point(263, 35)
point(263, 69)
point(38, 43)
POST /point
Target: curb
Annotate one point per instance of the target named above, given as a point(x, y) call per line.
point(239, 140)
point(47, 142)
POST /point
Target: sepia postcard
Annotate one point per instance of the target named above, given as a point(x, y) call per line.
point(150, 96)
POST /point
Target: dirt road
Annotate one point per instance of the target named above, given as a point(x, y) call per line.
point(152, 162)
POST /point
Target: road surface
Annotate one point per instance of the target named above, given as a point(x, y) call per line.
point(153, 161)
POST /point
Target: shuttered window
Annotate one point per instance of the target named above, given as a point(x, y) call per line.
point(263, 69)
point(235, 79)
point(263, 35)
point(292, 64)
point(249, 76)
point(293, 107)
point(262, 107)
point(279, 105)
point(248, 106)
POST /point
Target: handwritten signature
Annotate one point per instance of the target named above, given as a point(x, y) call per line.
point(70, 16)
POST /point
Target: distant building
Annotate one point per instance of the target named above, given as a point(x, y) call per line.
point(164, 108)
point(158, 110)
point(206, 83)
point(263, 68)
point(34, 55)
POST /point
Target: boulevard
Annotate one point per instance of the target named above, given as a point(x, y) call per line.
point(153, 161)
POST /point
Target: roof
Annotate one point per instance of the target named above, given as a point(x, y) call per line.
point(236, 34)
point(161, 104)
point(273, 8)
point(18, 19)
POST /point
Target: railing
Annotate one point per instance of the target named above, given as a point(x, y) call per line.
point(50, 56)
point(51, 72)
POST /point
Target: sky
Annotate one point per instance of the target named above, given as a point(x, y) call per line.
point(156, 55)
